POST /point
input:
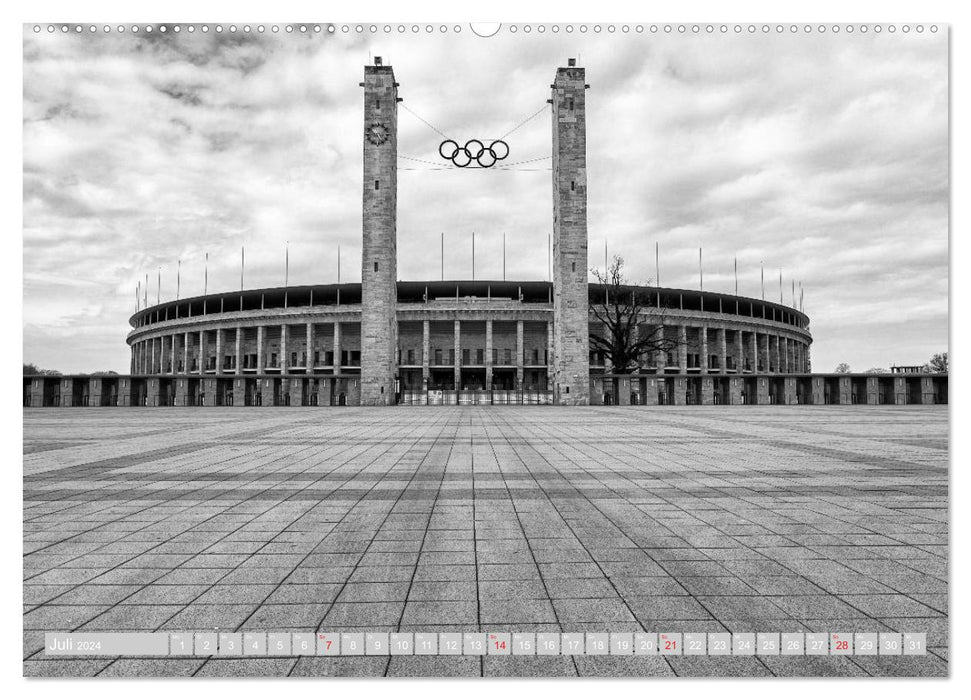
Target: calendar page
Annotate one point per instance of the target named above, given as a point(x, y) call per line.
point(540, 349)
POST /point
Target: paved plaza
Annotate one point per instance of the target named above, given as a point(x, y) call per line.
point(499, 519)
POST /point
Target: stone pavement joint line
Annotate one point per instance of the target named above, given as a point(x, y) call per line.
point(501, 519)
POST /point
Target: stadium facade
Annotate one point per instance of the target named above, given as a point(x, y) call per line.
point(385, 341)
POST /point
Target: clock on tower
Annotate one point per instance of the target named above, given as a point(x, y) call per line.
point(377, 133)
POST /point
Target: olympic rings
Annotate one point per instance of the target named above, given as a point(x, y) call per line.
point(474, 150)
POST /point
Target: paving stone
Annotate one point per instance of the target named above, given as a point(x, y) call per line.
point(720, 666)
point(234, 668)
point(373, 592)
point(346, 666)
point(435, 666)
point(361, 615)
point(589, 520)
point(151, 668)
point(440, 612)
point(47, 668)
point(529, 666)
point(520, 611)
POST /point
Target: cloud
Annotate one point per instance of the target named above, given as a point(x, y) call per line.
point(822, 155)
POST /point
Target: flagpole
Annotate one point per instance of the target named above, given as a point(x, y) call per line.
point(657, 264)
point(780, 286)
point(701, 273)
point(242, 266)
point(657, 271)
point(473, 256)
point(762, 263)
point(503, 257)
point(205, 288)
point(158, 288)
point(736, 276)
point(443, 255)
point(178, 281)
point(338, 263)
point(606, 275)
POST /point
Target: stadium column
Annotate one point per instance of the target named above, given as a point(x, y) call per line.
point(488, 355)
point(185, 353)
point(683, 349)
point(660, 355)
point(239, 351)
point(426, 342)
point(739, 352)
point(337, 348)
point(755, 352)
point(219, 350)
point(379, 323)
point(571, 332)
point(151, 367)
point(550, 370)
point(520, 350)
point(764, 351)
point(703, 332)
point(457, 345)
point(777, 364)
point(260, 339)
point(785, 355)
point(284, 360)
point(722, 350)
point(173, 359)
point(310, 348)
point(203, 351)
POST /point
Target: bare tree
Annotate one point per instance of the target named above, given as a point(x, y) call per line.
point(31, 368)
point(619, 310)
point(937, 364)
point(842, 368)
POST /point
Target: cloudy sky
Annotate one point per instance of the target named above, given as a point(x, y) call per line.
point(823, 155)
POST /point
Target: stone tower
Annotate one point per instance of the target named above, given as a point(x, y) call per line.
point(571, 352)
point(379, 269)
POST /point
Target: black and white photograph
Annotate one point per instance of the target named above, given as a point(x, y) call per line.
point(536, 349)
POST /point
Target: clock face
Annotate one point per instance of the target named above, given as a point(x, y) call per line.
point(377, 134)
